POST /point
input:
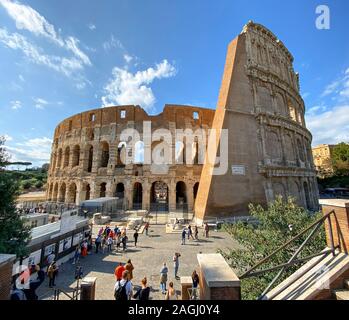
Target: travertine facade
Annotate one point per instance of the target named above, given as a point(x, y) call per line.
point(88, 159)
point(269, 146)
point(322, 156)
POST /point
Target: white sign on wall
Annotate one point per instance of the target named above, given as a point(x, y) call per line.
point(238, 170)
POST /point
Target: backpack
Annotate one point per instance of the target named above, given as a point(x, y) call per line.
point(120, 292)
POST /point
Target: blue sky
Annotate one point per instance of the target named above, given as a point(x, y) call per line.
point(58, 58)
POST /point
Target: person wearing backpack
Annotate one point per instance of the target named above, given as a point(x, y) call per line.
point(123, 288)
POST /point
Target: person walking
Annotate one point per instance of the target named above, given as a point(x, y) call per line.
point(98, 242)
point(176, 264)
point(103, 242)
point(146, 228)
point(124, 243)
point(196, 232)
point(171, 292)
point(207, 229)
point(52, 273)
point(195, 280)
point(76, 255)
point(118, 271)
point(190, 232)
point(110, 243)
point(123, 288)
point(129, 267)
point(142, 293)
point(118, 242)
point(135, 236)
point(183, 236)
point(163, 278)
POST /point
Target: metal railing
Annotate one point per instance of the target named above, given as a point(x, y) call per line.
point(294, 260)
point(73, 295)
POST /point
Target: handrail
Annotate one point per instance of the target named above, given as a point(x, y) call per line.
point(293, 260)
point(58, 291)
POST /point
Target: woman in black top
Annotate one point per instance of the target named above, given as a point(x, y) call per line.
point(142, 293)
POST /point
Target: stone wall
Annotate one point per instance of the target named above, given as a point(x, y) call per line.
point(268, 142)
point(6, 264)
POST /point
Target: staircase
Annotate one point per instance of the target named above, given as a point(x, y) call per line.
point(342, 294)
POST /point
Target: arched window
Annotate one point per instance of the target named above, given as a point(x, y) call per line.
point(137, 196)
point(121, 156)
point(195, 151)
point(195, 190)
point(55, 192)
point(181, 194)
point(76, 156)
point(103, 190)
point(180, 152)
point(104, 155)
point(72, 193)
point(139, 152)
point(89, 158)
point(66, 157)
point(62, 191)
point(59, 161)
point(300, 150)
point(87, 192)
point(120, 191)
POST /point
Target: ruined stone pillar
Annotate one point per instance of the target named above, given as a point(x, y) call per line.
point(146, 196)
point(190, 197)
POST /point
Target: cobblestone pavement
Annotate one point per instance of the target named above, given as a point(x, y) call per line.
point(147, 258)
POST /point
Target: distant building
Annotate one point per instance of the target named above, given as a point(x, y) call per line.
point(322, 155)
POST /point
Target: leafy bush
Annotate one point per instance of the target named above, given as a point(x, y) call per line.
point(278, 223)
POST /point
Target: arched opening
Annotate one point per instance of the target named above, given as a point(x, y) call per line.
point(139, 152)
point(50, 191)
point(120, 191)
point(196, 151)
point(181, 195)
point(159, 196)
point(89, 159)
point(54, 162)
point(103, 190)
point(87, 192)
point(59, 161)
point(121, 154)
point(195, 190)
point(55, 193)
point(66, 157)
point(76, 156)
point(137, 196)
point(307, 195)
point(180, 152)
point(300, 150)
point(62, 191)
point(72, 193)
point(104, 155)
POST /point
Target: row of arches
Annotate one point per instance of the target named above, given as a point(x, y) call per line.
point(159, 194)
point(73, 156)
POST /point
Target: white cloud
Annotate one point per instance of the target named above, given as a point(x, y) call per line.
point(331, 88)
point(92, 27)
point(16, 104)
point(128, 88)
point(20, 77)
point(339, 87)
point(61, 64)
point(26, 18)
point(113, 43)
point(35, 150)
point(331, 126)
point(40, 103)
point(7, 137)
point(128, 58)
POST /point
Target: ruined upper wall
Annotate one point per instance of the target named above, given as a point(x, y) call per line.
point(182, 116)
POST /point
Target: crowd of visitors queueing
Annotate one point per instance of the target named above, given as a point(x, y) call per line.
point(107, 240)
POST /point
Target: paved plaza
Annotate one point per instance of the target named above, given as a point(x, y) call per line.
point(147, 258)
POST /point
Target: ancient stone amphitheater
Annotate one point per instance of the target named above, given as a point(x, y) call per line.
point(89, 159)
point(268, 150)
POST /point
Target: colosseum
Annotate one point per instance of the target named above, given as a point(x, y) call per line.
point(267, 151)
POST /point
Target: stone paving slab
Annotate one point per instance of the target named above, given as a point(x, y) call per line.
point(152, 251)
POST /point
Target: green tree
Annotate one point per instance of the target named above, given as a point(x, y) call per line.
point(278, 223)
point(341, 159)
point(14, 235)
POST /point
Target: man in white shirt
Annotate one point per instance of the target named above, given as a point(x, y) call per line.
point(124, 282)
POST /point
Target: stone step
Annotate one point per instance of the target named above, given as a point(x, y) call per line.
point(341, 294)
point(346, 284)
